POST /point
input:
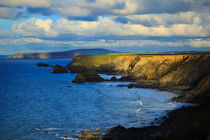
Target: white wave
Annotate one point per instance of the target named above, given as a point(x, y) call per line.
point(140, 107)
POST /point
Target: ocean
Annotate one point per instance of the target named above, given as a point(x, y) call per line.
point(32, 97)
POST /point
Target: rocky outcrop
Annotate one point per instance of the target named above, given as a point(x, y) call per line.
point(42, 65)
point(90, 76)
point(59, 69)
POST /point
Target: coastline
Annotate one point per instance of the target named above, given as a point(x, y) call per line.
point(185, 75)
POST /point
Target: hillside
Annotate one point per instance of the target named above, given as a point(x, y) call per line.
point(63, 54)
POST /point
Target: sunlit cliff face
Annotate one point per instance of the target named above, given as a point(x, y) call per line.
point(51, 25)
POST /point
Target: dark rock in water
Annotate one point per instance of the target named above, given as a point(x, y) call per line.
point(42, 65)
point(131, 86)
point(59, 69)
point(113, 79)
point(126, 78)
point(79, 79)
point(45, 132)
point(121, 85)
point(88, 77)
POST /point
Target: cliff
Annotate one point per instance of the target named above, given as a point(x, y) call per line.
point(63, 54)
point(165, 72)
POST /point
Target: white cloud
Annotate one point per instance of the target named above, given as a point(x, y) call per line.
point(31, 3)
point(105, 27)
point(169, 19)
point(109, 43)
point(33, 27)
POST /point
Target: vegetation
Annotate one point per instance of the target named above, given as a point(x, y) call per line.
point(149, 54)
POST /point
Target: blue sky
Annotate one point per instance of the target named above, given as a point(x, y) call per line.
point(122, 25)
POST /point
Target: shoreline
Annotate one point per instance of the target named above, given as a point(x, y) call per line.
point(188, 76)
point(167, 122)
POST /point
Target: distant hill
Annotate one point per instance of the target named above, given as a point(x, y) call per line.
point(63, 54)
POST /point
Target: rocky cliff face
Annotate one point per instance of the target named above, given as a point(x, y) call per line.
point(188, 123)
point(165, 70)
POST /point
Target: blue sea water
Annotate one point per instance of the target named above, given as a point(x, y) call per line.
point(31, 97)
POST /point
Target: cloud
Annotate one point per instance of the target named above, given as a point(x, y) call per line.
point(110, 43)
point(104, 27)
point(74, 11)
point(168, 19)
point(33, 27)
point(31, 3)
point(11, 13)
point(91, 9)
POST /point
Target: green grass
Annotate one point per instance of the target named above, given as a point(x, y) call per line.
point(113, 55)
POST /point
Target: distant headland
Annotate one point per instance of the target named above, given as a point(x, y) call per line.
point(63, 54)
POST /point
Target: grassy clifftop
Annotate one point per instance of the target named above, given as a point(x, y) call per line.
point(165, 70)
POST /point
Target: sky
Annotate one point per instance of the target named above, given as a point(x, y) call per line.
point(121, 25)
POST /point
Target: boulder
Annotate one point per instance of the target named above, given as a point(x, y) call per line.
point(113, 79)
point(59, 69)
point(88, 77)
point(42, 65)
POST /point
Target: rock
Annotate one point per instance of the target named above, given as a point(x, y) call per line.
point(59, 69)
point(84, 132)
point(86, 137)
point(126, 78)
point(79, 79)
point(97, 132)
point(113, 79)
point(88, 77)
point(42, 65)
point(131, 86)
point(45, 132)
point(89, 135)
point(75, 137)
point(39, 129)
point(122, 85)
